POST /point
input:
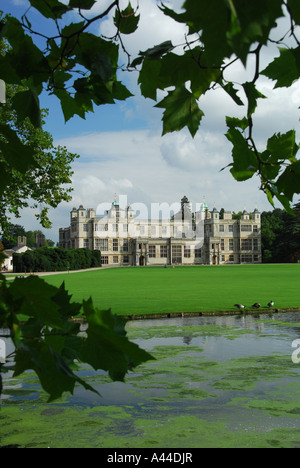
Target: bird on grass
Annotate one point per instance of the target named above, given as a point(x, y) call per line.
point(239, 306)
point(271, 304)
point(256, 305)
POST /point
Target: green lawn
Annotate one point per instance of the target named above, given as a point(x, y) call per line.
point(157, 290)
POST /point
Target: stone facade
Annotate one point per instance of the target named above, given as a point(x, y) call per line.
point(202, 238)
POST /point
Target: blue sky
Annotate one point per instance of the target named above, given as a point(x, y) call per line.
point(121, 148)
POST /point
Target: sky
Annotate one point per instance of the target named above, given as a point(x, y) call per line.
point(121, 147)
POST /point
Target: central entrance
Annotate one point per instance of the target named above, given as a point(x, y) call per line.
point(142, 260)
point(176, 254)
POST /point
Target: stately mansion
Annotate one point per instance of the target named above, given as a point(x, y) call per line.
point(184, 239)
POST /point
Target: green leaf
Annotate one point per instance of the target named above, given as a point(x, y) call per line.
point(16, 154)
point(283, 146)
point(294, 6)
point(233, 122)
point(98, 56)
point(26, 104)
point(82, 4)
point(37, 300)
point(27, 62)
point(252, 95)
point(229, 88)
point(251, 22)
point(156, 52)
point(245, 163)
point(212, 19)
point(284, 69)
point(70, 106)
point(181, 110)
point(148, 78)
point(53, 9)
point(54, 374)
point(107, 346)
point(126, 21)
point(289, 181)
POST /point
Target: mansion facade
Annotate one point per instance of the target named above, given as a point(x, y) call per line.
point(199, 239)
point(185, 239)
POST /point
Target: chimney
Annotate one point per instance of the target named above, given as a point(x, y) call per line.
point(22, 241)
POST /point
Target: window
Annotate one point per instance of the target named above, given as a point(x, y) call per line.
point(246, 244)
point(231, 258)
point(101, 227)
point(221, 227)
point(152, 251)
point(231, 244)
point(101, 244)
point(255, 228)
point(115, 245)
point(197, 253)
point(115, 259)
point(125, 227)
point(104, 260)
point(163, 251)
point(176, 254)
point(85, 243)
point(85, 227)
point(115, 228)
point(187, 251)
point(246, 258)
point(125, 259)
point(222, 244)
point(125, 245)
point(230, 227)
point(255, 244)
point(246, 227)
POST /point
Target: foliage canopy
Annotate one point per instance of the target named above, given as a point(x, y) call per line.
point(81, 69)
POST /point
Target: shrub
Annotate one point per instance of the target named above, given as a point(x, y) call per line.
point(57, 259)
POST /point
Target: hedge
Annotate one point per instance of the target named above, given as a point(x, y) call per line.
point(56, 259)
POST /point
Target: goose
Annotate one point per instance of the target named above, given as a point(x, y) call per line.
point(271, 304)
point(239, 306)
point(256, 305)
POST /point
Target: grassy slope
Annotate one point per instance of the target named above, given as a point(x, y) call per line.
point(185, 289)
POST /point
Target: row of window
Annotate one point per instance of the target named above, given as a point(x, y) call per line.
point(177, 258)
point(243, 227)
point(104, 259)
point(242, 244)
point(244, 258)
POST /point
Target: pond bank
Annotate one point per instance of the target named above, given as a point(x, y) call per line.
point(216, 313)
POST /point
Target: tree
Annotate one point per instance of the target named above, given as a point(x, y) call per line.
point(47, 182)
point(280, 235)
point(15, 230)
point(10, 238)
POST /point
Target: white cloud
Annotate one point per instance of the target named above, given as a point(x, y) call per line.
point(154, 27)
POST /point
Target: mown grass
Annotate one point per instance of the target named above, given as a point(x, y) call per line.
point(156, 290)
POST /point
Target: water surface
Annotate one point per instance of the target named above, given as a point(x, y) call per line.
point(216, 382)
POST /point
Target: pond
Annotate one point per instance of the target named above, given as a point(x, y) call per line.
point(226, 381)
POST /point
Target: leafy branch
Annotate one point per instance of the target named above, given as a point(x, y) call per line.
point(48, 340)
